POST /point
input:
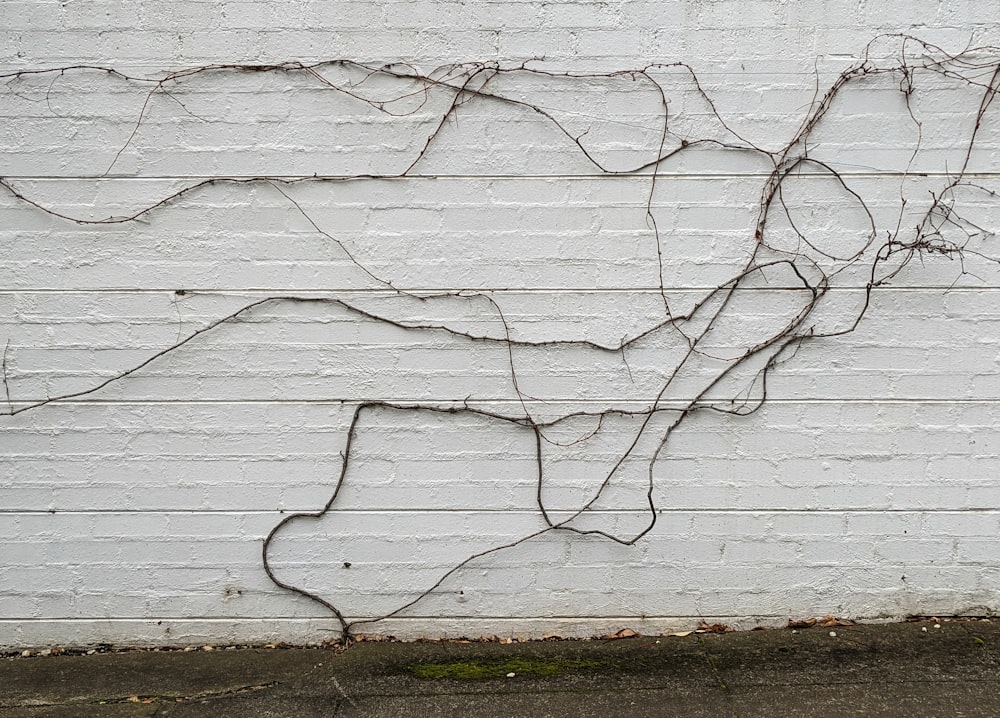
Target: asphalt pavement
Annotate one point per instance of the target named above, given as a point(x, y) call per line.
point(918, 669)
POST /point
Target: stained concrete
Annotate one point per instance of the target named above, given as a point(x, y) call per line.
point(917, 670)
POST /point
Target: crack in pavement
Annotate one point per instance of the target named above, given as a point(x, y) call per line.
point(343, 694)
point(723, 686)
point(147, 698)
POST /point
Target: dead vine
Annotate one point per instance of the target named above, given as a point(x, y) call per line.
point(807, 267)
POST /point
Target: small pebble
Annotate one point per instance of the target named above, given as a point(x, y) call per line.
point(794, 631)
point(511, 675)
point(937, 625)
point(25, 654)
point(207, 648)
point(833, 633)
point(924, 629)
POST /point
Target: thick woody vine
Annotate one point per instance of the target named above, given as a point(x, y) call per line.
point(812, 269)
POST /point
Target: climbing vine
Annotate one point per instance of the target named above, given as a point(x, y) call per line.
point(783, 252)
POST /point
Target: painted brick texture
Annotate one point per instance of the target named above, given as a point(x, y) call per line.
point(865, 486)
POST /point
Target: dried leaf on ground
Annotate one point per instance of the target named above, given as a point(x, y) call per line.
point(704, 627)
point(831, 621)
point(802, 623)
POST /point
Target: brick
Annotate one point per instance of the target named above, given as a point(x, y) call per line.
point(863, 468)
point(916, 552)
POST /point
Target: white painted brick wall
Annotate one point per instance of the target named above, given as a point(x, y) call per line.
point(865, 487)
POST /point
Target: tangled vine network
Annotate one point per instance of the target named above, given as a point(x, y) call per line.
point(782, 252)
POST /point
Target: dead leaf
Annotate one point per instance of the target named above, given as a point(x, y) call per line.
point(803, 623)
point(703, 627)
point(831, 621)
point(681, 634)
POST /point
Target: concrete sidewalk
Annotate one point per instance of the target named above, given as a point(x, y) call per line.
point(927, 668)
